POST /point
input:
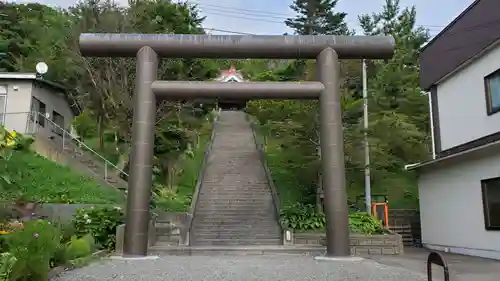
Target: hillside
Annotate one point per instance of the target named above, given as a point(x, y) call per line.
point(39, 179)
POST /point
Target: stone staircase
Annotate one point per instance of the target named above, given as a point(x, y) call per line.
point(75, 154)
point(95, 167)
point(235, 205)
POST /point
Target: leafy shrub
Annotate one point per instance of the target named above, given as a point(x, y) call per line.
point(7, 262)
point(59, 257)
point(34, 246)
point(365, 224)
point(303, 217)
point(169, 200)
point(79, 247)
point(100, 222)
point(67, 231)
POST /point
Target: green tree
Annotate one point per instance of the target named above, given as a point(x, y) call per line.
point(398, 110)
point(317, 17)
point(85, 125)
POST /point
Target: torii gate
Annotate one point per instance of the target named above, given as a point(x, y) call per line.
point(327, 50)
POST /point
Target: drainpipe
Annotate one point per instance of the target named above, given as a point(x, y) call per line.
point(431, 120)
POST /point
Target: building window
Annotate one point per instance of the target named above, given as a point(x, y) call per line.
point(38, 110)
point(491, 203)
point(492, 87)
point(58, 120)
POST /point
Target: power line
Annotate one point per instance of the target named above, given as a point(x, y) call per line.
point(260, 13)
point(458, 31)
point(228, 31)
point(240, 9)
point(245, 18)
point(223, 10)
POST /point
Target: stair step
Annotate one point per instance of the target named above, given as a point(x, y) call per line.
point(233, 237)
point(236, 241)
point(235, 222)
point(173, 239)
point(266, 230)
point(221, 213)
point(235, 187)
point(210, 203)
point(209, 250)
point(264, 190)
point(221, 197)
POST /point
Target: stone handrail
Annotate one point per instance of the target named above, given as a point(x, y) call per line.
point(199, 181)
point(262, 154)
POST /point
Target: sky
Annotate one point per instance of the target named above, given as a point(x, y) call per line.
point(267, 16)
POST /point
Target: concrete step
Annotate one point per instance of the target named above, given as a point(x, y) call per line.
point(233, 225)
point(225, 204)
point(170, 239)
point(224, 214)
point(238, 205)
point(165, 249)
point(235, 241)
point(229, 234)
point(243, 197)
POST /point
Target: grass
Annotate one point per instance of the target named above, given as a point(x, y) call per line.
point(39, 179)
point(108, 151)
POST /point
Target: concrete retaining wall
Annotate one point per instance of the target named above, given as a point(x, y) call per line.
point(384, 244)
point(63, 212)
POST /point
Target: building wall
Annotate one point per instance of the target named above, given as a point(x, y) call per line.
point(451, 208)
point(462, 103)
point(54, 101)
point(18, 104)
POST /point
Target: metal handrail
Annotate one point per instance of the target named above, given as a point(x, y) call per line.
point(80, 143)
point(33, 114)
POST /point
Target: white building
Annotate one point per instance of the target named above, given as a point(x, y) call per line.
point(21, 94)
point(460, 188)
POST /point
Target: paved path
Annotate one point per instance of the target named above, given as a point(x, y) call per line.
point(409, 267)
point(239, 268)
point(462, 268)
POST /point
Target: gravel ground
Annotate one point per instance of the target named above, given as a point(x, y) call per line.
point(238, 268)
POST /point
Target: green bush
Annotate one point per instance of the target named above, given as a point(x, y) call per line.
point(365, 224)
point(34, 246)
point(67, 231)
point(39, 179)
point(101, 223)
point(168, 200)
point(79, 247)
point(59, 257)
point(7, 262)
point(301, 217)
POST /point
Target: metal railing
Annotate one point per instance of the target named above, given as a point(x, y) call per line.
point(37, 123)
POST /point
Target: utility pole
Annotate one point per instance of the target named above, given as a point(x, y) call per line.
point(368, 188)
